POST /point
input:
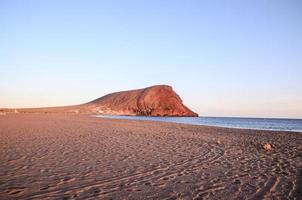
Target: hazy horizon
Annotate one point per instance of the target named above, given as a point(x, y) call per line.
point(230, 59)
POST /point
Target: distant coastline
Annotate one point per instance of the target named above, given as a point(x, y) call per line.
point(270, 124)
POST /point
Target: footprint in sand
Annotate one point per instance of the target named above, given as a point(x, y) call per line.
point(67, 180)
point(15, 191)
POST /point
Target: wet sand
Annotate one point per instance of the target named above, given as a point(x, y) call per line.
point(68, 156)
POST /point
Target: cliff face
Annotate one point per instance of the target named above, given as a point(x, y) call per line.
point(159, 100)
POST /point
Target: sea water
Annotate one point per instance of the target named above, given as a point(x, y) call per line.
point(228, 122)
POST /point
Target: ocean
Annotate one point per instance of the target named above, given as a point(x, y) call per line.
point(275, 124)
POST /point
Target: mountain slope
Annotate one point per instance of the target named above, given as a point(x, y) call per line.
point(158, 100)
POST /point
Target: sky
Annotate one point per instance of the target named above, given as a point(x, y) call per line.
point(224, 58)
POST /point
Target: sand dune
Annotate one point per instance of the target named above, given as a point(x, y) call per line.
point(65, 156)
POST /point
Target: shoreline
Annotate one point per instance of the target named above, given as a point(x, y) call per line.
point(83, 157)
point(151, 118)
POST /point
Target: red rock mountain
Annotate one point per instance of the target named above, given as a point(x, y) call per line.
point(158, 100)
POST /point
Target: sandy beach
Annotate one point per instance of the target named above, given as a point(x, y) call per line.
point(69, 156)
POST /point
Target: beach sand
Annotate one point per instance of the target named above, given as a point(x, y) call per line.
point(69, 156)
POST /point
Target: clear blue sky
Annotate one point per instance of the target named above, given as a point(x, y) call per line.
point(224, 58)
